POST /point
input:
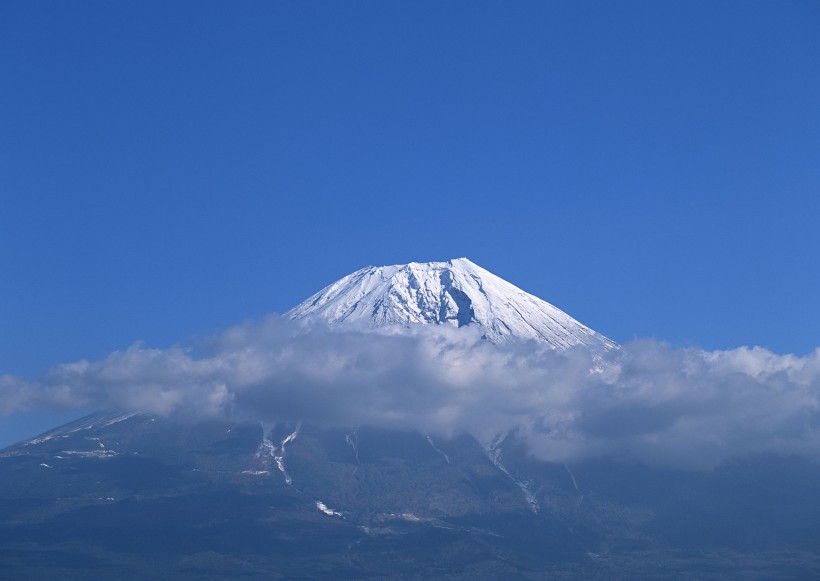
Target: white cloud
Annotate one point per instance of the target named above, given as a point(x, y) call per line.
point(679, 407)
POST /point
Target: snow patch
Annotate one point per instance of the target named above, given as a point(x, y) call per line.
point(323, 508)
point(267, 449)
point(39, 440)
point(119, 418)
point(91, 454)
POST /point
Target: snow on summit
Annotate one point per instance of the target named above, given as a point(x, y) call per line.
point(457, 292)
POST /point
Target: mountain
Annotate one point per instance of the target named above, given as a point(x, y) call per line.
point(136, 495)
point(128, 494)
point(457, 292)
point(131, 495)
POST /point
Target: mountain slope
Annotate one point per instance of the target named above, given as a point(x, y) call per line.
point(124, 495)
point(457, 292)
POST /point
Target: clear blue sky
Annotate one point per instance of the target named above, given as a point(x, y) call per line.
point(169, 169)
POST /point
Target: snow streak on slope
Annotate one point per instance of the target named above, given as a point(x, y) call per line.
point(437, 449)
point(457, 293)
point(494, 452)
point(279, 455)
point(351, 440)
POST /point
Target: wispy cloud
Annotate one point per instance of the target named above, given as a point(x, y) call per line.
point(678, 407)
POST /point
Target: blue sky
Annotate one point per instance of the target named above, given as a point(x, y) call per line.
point(170, 169)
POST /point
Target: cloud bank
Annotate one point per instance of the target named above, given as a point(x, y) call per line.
point(649, 402)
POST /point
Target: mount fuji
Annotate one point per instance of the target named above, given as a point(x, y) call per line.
point(457, 293)
point(128, 494)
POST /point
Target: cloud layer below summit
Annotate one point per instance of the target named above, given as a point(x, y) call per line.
point(673, 407)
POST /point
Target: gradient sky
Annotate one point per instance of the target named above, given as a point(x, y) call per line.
point(170, 169)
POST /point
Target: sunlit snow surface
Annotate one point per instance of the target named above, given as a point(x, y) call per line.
point(279, 455)
point(457, 293)
point(322, 507)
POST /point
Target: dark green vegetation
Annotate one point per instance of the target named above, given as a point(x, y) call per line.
point(143, 497)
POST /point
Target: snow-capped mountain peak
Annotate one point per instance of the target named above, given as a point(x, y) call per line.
point(456, 292)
